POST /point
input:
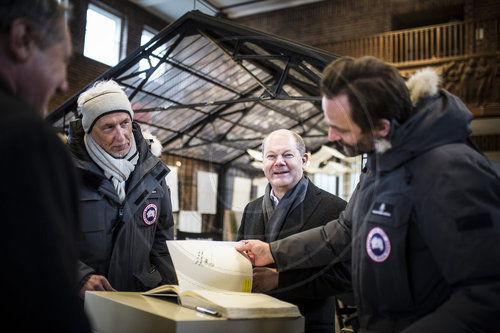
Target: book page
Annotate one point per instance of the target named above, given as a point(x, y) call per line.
point(238, 304)
point(170, 290)
point(211, 265)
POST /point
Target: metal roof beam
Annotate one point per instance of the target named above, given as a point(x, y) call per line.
point(207, 141)
point(192, 71)
point(237, 62)
point(198, 123)
point(152, 69)
point(254, 147)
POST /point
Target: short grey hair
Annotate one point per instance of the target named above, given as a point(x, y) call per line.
point(301, 146)
point(47, 17)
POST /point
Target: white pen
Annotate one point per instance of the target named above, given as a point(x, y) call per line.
point(207, 311)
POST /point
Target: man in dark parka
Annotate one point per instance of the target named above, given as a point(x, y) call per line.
point(125, 201)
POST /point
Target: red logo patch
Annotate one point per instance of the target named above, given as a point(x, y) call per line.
point(149, 214)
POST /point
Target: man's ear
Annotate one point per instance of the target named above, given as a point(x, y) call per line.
point(21, 39)
point(383, 128)
point(305, 159)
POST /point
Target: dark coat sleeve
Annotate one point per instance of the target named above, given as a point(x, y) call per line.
point(325, 245)
point(40, 224)
point(322, 281)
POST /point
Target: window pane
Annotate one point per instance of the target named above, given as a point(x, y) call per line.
point(102, 36)
point(326, 182)
point(146, 36)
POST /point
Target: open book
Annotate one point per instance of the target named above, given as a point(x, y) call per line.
point(215, 279)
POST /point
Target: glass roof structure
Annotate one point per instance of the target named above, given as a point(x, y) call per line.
point(210, 89)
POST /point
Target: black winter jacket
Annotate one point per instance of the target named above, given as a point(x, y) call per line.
point(124, 242)
point(424, 229)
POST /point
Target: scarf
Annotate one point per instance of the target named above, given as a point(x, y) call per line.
point(274, 217)
point(117, 170)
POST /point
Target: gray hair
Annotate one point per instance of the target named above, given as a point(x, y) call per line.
point(47, 17)
point(301, 146)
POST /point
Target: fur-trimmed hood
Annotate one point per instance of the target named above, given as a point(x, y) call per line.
point(424, 83)
point(438, 118)
point(153, 143)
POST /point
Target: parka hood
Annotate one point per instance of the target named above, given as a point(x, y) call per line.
point(438, 118)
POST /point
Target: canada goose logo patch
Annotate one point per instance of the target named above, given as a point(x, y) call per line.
point(378, 245)
point(149, 214)
point(382, 209)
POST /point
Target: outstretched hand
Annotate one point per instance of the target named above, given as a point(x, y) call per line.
point(258, 252)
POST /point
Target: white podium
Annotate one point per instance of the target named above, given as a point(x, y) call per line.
point(131, 312)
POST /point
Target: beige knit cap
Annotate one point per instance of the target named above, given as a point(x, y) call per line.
point(100, 105)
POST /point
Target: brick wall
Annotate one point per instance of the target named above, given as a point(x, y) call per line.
point(322, 23)
point(485, 9)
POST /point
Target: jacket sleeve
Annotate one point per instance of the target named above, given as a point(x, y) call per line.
point(314, 283)
point(83, 271)
point(160, 256)
point(460, 222)
point(323, 281)
point(321, 246)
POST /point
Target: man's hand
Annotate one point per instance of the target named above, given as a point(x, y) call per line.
point(264, 279)
point(95, 283)
point(258, 252)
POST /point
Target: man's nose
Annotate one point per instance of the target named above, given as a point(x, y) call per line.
point(121, 134)
point(280, 159)
point(63, 86)
point(333, 136)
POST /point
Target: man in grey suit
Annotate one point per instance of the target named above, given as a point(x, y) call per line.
point(292, 204)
